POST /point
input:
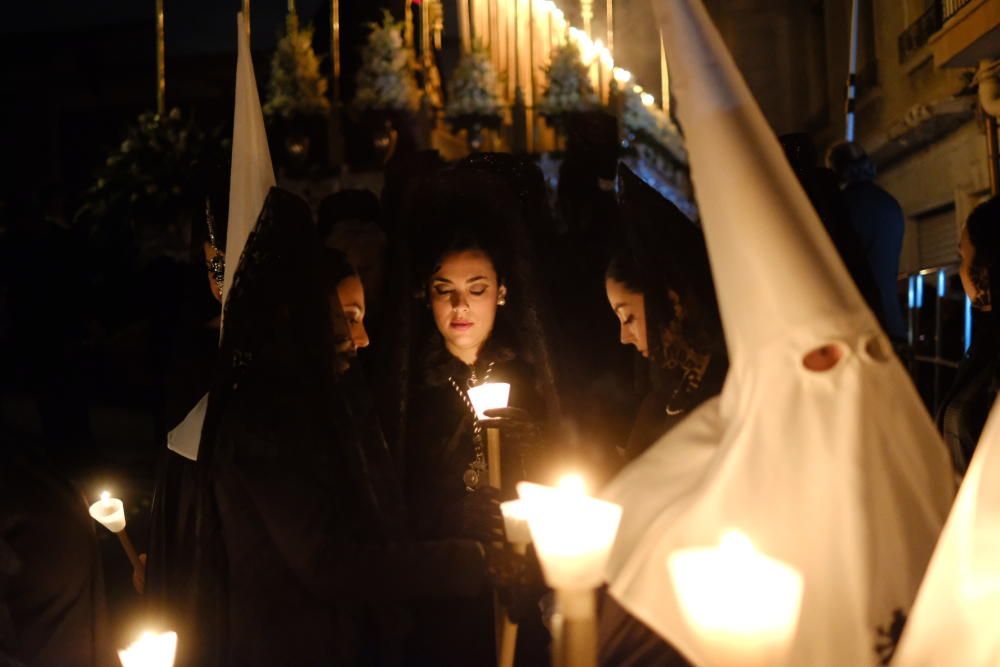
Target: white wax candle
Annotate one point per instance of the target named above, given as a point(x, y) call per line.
point(109, 512)
point(489, 396)
point(150, 650)
point(572, 532)
point(515, 521)
point(742, 605)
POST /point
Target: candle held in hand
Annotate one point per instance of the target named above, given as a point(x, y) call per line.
point(742, 605)
point(572, 532)
point(150, 650)
point(489, 396)
point(109, 512)
point(515, 522)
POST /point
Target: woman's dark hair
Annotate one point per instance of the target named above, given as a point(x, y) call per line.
point(850, 162)
point(623, 269)
point(350, 204)
point(334, 268)
point(983, 227)
point(462, 210)
point(665, 251)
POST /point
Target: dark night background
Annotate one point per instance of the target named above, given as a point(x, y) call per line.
point(88, 334)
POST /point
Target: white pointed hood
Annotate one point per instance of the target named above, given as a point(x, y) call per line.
point(838, 473)
point(954, 620)
point(788, 269)
point(251, 173)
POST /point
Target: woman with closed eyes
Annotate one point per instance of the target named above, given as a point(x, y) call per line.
point(469, 328)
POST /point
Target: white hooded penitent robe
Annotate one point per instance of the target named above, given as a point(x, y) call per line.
point(838, 473)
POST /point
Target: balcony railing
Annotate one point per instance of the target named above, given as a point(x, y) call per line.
point(951, 7)
point(920, 31)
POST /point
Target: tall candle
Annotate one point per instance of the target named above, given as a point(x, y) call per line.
point(515, 521)
point(742, 605)
point(464, 29)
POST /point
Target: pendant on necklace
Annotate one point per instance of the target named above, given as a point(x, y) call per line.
point(474, 475)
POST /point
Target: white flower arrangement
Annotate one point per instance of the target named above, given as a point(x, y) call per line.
point(569, 89)
point(473, 89)
point(385, 80)
point(647, 122)
point(296, 87)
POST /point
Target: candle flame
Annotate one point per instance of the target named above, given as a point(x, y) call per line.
point(105, 496)
point(150, 650)
point(647, 99)
point(622, 76)
point(735, 542)
point(572, 483)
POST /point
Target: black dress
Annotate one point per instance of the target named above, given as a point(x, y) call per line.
point(963, 412)
point(441, 446)
point(666, 406)
point(52, 604)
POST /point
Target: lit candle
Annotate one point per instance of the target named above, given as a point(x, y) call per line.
point(742, 605)
point(150, 650)
point(515, 523)
point(573, 534)
point(622, 76)
point(489, 396)
point(109, 512)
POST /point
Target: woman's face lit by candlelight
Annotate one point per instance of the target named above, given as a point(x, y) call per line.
point(464, 293)
point(349, 319)
point(630, 307)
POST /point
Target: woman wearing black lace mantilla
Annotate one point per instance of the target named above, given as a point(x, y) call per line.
point(302, 554)
point(474, 322)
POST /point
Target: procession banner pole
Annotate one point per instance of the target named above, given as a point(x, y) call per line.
point(161, 75)
point(852, 74)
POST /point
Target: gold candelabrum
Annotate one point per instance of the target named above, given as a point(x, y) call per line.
point(587, 14)
point(520, 36)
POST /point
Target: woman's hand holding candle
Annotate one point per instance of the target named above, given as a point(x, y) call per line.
point(517, 427)
point(110, 513)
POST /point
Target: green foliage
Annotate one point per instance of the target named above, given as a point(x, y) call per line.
point(474, 88)
point(385, 80)
point(152, 187)
point(296, 87)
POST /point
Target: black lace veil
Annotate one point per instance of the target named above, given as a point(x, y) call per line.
point(500, 200)
point(278, 341)
point(666, 251)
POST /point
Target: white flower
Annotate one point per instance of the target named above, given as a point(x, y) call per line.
point(569, 88)
point(385, 80)
point(474, 87)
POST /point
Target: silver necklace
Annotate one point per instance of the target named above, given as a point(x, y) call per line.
point(689, 382)
point(476, 472)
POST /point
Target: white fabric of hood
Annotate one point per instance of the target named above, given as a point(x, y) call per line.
point(251, 175)
point(954, 620)
point(839, 473)
point(185, 438)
